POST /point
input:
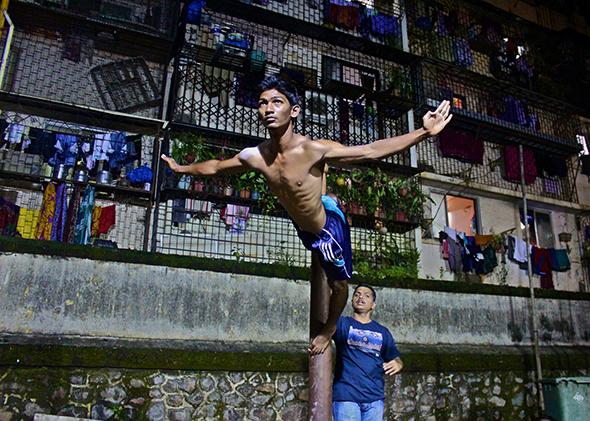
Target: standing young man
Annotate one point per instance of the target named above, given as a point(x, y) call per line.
point(293, 166)
point(365, 351)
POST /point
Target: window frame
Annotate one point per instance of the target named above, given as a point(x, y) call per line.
point(476, 204)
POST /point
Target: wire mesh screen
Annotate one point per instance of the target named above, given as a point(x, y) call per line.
point(494, 167)
point(64, 62)
point(226, 230)
point(147, 16)
point(346, 96)
point(510, 114)
point(375, 20)
point(473, 37)
point(112, 224)
point(72, 183)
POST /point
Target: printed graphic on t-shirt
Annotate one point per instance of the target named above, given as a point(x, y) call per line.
point(365, 340)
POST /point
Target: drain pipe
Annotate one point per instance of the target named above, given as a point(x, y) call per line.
point(7, 45)
point(533, 309)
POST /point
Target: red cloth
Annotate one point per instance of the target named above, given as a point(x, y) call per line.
point(107, 219)
point(541, 265)
point(460, 145)
point(512, 164)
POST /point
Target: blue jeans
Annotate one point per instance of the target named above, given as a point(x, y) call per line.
point(352, 411)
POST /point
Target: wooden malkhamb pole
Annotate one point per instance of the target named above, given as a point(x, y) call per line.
point(320, 366)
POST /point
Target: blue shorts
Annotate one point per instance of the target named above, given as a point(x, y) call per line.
point(332, 244)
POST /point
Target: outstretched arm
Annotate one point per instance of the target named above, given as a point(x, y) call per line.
point(208, 168)
point(432, 123)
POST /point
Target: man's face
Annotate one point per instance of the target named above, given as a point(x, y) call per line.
point(362, 300)
point(275, 110)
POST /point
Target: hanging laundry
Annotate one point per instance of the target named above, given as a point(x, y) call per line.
point(179, 213)
point(445, 249)
point(47, 213)
point(9, 213)
point(455, 258)
point(541, 265)
point(483, 240)
point(490, 260)
point(83, 228)
point(27, 222)
point(515, 111)
point(517, 249)
point(59, 219)
point(560, 261)
point(342, 13)
point(96, 212)
point(107, 219)
point(451, 233)
point(118, 153)
point(235, 216)
point(15, 133)
point(66, 150)
point(461, 145)
point(72, 215)
point(102, 147)
point(512, 164)
point(42, 143)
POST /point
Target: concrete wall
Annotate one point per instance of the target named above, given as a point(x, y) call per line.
point(41, 295)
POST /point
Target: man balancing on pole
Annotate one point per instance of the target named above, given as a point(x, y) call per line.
point(293, 165)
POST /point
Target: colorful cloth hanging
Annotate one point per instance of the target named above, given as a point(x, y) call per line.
point(43, 231)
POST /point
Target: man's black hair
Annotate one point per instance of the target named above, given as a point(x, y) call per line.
point(281, 85)
point(366, 286)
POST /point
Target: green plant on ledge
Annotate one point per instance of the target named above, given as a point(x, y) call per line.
point(373, 190)
point(385, 260)
point(187, 148)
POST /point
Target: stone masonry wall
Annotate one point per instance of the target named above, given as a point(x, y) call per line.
point(234, 396)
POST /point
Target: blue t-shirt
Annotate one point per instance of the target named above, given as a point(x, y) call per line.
point(361, 350)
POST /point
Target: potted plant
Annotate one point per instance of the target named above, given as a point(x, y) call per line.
point(253, 183)
point(187, 148)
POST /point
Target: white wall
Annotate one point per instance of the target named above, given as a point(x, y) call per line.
point(495, 216)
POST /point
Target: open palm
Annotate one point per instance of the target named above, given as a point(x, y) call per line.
point(434, 121)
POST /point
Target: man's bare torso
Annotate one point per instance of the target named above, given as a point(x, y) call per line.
point(294, 174)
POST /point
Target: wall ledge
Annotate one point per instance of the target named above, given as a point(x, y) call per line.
point(93, 352)
point(59, 250)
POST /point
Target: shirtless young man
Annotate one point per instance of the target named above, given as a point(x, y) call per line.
point(293, 166)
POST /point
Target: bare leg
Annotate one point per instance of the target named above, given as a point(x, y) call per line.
point(338, 299)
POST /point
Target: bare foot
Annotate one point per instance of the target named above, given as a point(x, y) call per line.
point(321, 342)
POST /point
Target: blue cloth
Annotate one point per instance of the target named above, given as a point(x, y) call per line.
point(352, 411)
point(193, 11)
point(119, 147)
point(361, 350)
point(332, 244)
point(560, 261)
point(83, 229)
point(66, 150)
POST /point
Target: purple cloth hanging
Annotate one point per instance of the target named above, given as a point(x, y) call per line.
point(60, 216)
